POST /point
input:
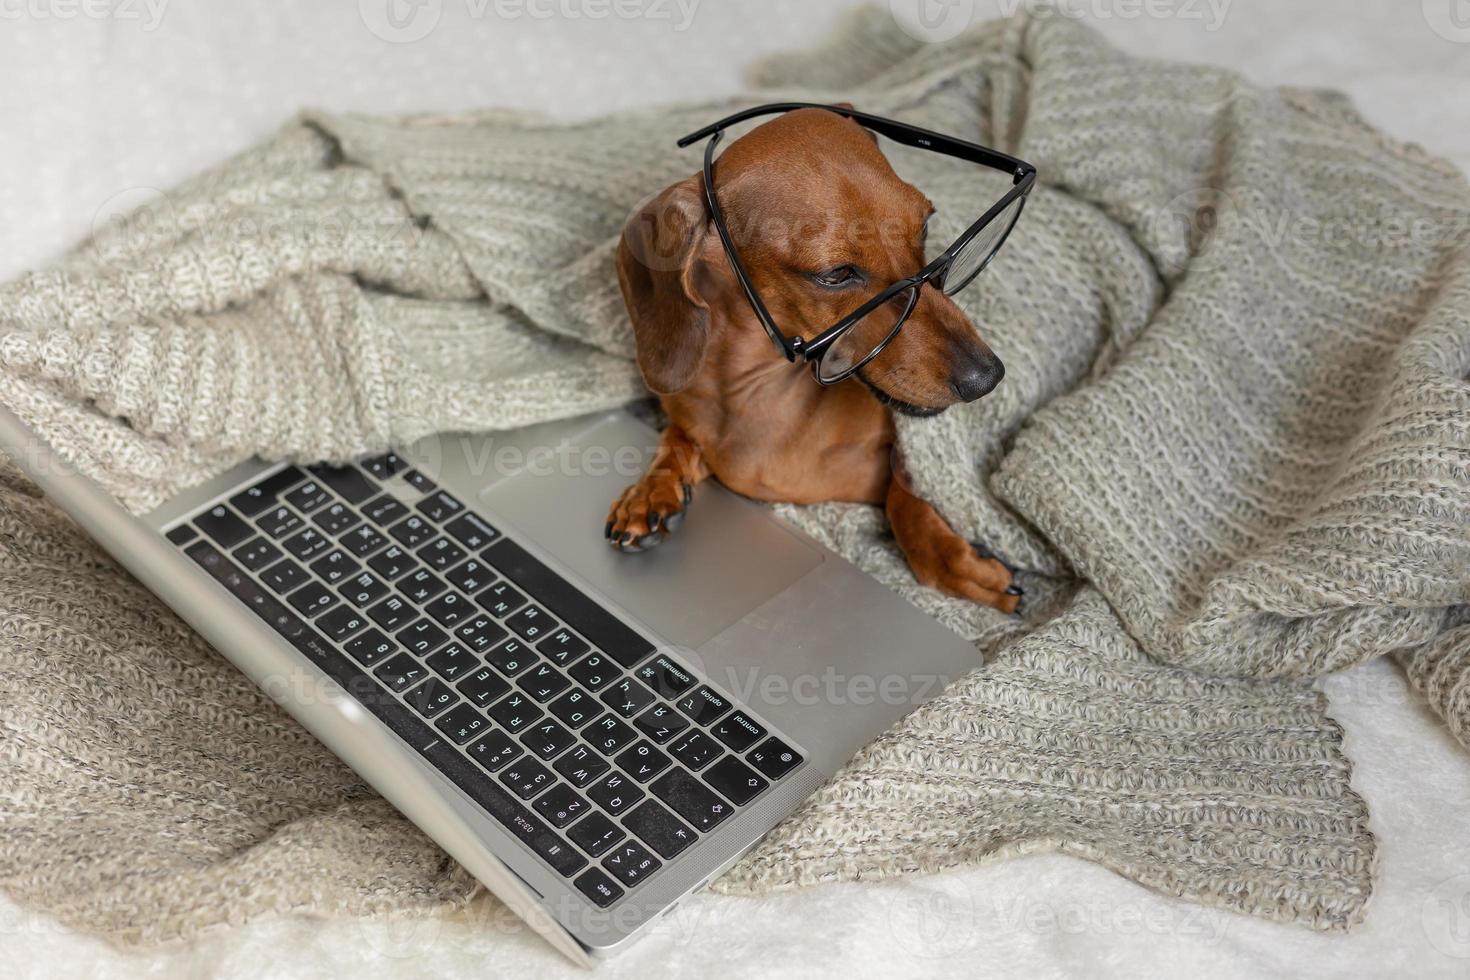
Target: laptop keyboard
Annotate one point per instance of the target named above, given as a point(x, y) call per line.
point(604, 759)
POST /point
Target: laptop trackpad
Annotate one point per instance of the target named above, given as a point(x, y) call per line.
point(729, 556)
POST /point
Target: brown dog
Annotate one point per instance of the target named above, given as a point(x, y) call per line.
point(830, 225)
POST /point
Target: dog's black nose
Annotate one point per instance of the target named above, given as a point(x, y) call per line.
point(976, 374)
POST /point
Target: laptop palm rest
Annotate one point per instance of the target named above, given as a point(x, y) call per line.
point(729, 556)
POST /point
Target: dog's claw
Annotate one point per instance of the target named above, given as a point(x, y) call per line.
point(688, 492)
point(1014, 589)
point(607, 531)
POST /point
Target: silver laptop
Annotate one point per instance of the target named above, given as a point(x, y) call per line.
point(592, 734)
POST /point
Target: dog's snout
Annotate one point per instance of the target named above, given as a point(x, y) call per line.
point(976, 374)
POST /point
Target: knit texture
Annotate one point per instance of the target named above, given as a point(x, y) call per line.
point(1227, 457)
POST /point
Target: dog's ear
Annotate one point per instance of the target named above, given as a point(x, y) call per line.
point(658, 260)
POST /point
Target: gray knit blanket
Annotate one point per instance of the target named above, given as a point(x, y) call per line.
point(1232, 452)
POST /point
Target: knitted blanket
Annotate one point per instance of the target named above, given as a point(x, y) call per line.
point(1232, 451)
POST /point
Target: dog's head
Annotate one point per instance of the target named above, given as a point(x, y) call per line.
point(822, 223)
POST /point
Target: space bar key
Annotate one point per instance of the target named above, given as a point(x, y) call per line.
point(522, 823)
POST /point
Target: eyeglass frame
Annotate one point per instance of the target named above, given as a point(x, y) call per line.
point(1023, 177)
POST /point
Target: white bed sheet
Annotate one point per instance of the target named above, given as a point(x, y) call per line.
point(96, 112)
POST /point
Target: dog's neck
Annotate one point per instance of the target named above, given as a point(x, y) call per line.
point(768, 430)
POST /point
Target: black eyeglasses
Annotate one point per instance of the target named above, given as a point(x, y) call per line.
point(860, 336)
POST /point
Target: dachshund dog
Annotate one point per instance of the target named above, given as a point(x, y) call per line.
point(811, 187)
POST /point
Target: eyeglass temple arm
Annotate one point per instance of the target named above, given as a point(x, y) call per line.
point(897, 131)
point(789, 346)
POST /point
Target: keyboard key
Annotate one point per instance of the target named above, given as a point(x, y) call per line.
point(659, 829)
point(598, 887)
point(736, 781)
point(363, 589)
point(370, 647)
point(526, 777)
point(515, 713)
point(431, 697)
point(401, 673)
point(222, 524)
point(531, 623)
point(284, 576)
point(392, 613)
point(336, 519)
point(696, 750)
point(256, 499)
point(308, 497)
point(601, 628)
point(543, 682)
point(421, 637)
point(596, 834)
point(257, 553)
point(739, 731)
point(452, 662)
point(412, 531)
point(347, 482)
point(420, 482)
point(630, 863)
point(615, 793)
point(462, 723)
point(511, 657)
point(494, 751)
point(607, 735)
point(441, 554)
point(594, 672)
point(470, 576)
point(480, 633)
point(666, 676)
point(439, 507)
point(334, 566)
point(182, 534)
point(580, 766)
point(278, 521)
point(501, 599)
point(690, 799)
point(384, 510)
point(561, 805)
point(384, 467)
point(627, 697)
point(421, 586)
point(642, 761)
point(575, 708)
point(548, 739)
point(312, 599)
point(451, 608)
point(703, 705)
point(472, 531)
point(342, 622)
point(307, 544)
point(362, 541)
point(660, 723)
point(483, 686)
point(562, 646)
point(392, 563)
point(774, 758)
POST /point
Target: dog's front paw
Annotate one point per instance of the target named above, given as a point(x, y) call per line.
point(960, 571)
point(647, 512)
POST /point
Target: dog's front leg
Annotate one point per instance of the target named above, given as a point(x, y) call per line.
point(653, 508)
point(942, 559)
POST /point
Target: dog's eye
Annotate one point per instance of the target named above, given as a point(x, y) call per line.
point(842, 275)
